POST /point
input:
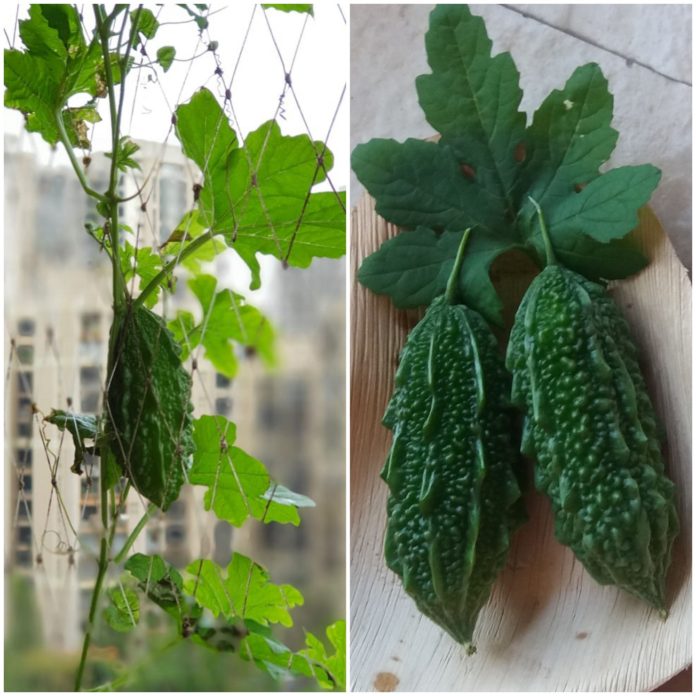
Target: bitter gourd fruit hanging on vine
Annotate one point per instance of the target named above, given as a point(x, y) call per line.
point(454, 499)
point(592, 429)
point(149, 406)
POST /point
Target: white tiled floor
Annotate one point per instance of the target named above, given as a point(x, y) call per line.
point(644, 50)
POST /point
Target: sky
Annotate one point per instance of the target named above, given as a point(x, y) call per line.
point(318, 74)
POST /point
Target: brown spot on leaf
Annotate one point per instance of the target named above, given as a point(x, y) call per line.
point(581, 635)
point(386, 681)
point(468, 171)
point(520, 152)
point(579, 187)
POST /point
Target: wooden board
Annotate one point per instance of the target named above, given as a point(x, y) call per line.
point(548, 626)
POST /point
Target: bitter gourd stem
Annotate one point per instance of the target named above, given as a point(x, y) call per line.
point(550, 256)
point(451, 290)
point(151, 510)
point(103, 30)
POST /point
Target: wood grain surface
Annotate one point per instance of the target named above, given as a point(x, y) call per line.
point(548, 626)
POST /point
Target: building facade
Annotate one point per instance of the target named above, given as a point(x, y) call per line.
point(58, 314)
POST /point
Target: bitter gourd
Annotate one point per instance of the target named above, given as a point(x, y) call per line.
point(149, 406)
point(454, 499)
point(592, 429)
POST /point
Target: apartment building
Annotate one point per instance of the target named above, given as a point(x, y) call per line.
point(58, 292)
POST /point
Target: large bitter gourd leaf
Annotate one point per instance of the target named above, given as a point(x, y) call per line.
point(454, 499)
point(149, 406)
point(592, 429)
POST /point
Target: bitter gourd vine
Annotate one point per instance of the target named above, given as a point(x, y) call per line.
point(454, 499)
point(592, 429)
point(149, 406)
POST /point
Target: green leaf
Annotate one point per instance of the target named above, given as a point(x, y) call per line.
point(227, 320)
point(144, 263)
point(586, 228)
point(238, 485)
point(486, 166)
point(147, 23)
point(81, 428)
point(421, 183)
point(607, 208)
point(188, 229)
point(413, 268)
point(205, 133)
point(277, 659)
point(161, 582)
point(246, 592)
point(165, 57)
point(472, 98)
point(260, 196)
point(219, 638)
point(76, 120)
point(123, 613)
point(42, 39)
point(124, 154)
point(569, 138)
point(614, 260)
point(307, 9)
point(284, 496)
point(65, 20)
point(333, 664)
point(57, 65)
point(200, 20)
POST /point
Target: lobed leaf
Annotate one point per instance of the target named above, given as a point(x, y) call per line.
point(260, 196)
point(123, 613)
point(239, 485)
point(472, 98)
point(244, 592)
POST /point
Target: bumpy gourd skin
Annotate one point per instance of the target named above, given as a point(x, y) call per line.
point(592, 429)
point(454, 498)
point(149, 407)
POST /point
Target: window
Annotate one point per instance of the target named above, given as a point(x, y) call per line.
point(153, 542)
point(25, 355)
point(90, 331)
point(90, 389)
point(268, 416)
point(26, 483)
point(24, 535)
point(175, 535)
point(26, 327)
point(23, 457)
point(119, 542)
point(24, 510)
point(223, 407)
point(223, 543)
point(85, 597)
point(173, 198)
point(23, 557)
point(25, 418)
point(89, 511)
point(177, 510)
point(222, 382)
point(25, 383)
point(297, 398)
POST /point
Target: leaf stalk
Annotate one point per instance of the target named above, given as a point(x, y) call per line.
point(452, 281)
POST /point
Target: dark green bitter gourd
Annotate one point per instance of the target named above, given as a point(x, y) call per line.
point(149, 407)
point(592, 429)
point(454, 499)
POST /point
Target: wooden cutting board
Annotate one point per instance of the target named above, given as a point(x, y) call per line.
point(548, 626)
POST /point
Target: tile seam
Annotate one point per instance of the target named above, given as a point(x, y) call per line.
point(629, 61)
